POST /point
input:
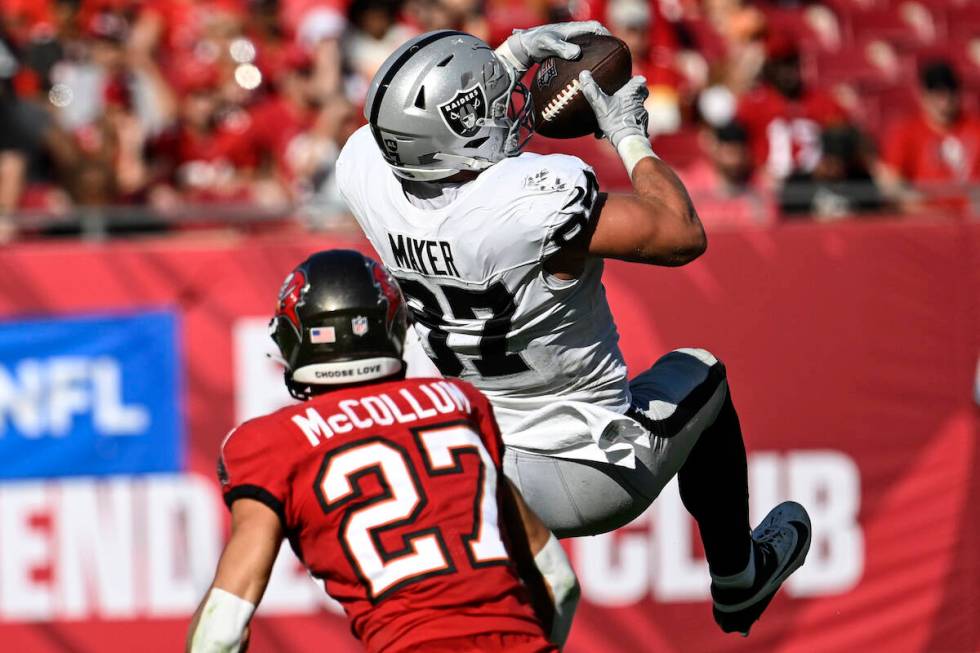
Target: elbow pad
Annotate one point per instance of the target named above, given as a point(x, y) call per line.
point(222, 623)
point(557, 572)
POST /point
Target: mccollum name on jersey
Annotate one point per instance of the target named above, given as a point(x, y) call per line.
point(383, 409)
point(412, 253)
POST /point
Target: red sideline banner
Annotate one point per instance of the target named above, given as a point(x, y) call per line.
point(852, 355)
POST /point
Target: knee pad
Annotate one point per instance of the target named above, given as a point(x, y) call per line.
point(702, 355)
point(675, 389)
point(674, 376)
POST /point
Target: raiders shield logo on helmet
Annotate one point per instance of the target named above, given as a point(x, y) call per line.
point(463, 113)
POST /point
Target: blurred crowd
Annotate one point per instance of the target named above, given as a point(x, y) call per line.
point(773, 109)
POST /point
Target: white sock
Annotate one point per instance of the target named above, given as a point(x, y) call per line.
point(742, 579)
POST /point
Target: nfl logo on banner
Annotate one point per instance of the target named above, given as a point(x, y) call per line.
point(359, 325)
point(322, 336)
point(117, 419)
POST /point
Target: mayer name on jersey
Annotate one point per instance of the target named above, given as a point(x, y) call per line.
point(542, 349)
point(389, 494)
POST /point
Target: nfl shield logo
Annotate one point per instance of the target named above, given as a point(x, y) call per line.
point(462, 113)
point(546, 73)
point(359, 325)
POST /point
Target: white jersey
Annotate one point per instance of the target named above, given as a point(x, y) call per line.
point(543, 350)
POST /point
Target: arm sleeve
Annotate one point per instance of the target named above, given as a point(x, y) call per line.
point(250, 468)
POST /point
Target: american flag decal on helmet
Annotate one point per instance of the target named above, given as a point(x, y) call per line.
point(323, 335)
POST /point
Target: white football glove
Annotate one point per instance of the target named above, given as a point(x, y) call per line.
point(621, 114)
point(530, 46)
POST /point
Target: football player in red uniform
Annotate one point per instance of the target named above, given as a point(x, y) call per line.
point(928, 158)
point(783, 116)
point(389, 489)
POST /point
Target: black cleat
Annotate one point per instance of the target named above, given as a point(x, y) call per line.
point(781, 543)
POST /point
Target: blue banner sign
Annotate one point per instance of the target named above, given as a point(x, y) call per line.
point(86, 396)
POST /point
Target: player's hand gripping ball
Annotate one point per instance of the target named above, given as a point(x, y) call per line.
point(560, 109)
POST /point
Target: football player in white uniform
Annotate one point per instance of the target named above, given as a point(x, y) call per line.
point(500, 255)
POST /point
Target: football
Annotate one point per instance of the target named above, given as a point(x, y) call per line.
point(560, 109)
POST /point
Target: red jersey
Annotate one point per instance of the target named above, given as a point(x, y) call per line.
point(784, 134)
point(389, 494)
point(919, 151)
point(206, 165)
point(274, 126)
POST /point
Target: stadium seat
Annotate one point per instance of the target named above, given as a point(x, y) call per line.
point(969, 60)
point(846, 65)
point(709, 43)
point(873, 60)
point(962, 21)
point(907, 26)
point(847, 6)
point(792, 22)
point(965, 58)
point(882, 103)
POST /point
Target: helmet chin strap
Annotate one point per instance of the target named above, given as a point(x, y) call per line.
point(461, 162)
point(458, 163)
point(464, 162)
point(423, 174)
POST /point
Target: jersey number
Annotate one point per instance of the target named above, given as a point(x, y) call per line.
point(583, 200)
point(422, 553)
point(792, 143)
point(496, 300)
point(468, 304)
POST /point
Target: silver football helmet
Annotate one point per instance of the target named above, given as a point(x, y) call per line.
point(443, 103)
